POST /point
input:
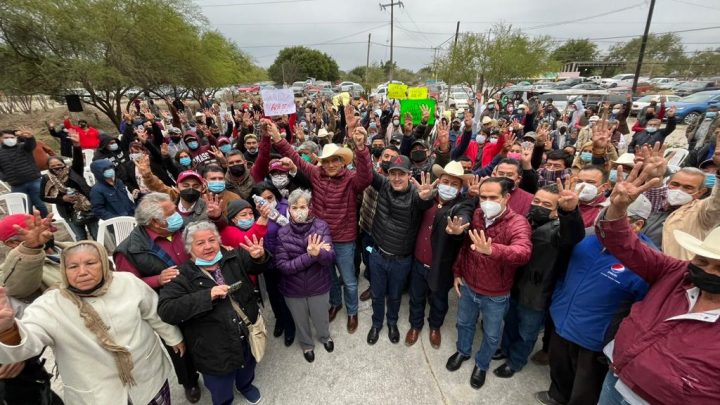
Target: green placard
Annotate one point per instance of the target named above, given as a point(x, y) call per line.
point(413, 107)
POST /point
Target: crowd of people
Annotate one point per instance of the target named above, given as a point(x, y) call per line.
point(537, 219)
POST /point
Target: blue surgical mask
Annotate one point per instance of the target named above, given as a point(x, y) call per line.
point(109, 173)
point(710, 179)
point(245, 223)
point(216, 186)
point(174, 222)
point(613, 176)
point(113, 147)
point(185, 161)
point(225, 148)
point(480, 139)
point(192, 145)
point(711, 114)
point(10, 142)
point(211, 262)
point(650, 130)
point(586, 156)
point(447, 192)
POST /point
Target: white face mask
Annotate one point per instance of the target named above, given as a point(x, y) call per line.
point(447, 192)
point(491, 209)
point(300, 215)
point(10, 142)
point(480, 139)
point(678, 197)
point(396, 123)
point(280, 180)
point(588, 193)
point(616, 111)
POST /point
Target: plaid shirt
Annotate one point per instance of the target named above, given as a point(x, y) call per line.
point(546, 177)
point(657, 197)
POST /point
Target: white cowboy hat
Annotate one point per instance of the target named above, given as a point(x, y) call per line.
point(454, 168)
point(710, 247)
point(322, 133)
point(626, 159)
point(332, 149)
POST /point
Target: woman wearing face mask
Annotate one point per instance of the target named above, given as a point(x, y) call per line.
point(583, 158)
point(283, 319)
point(242, 223)
point(66, 188)
point(305, 257)
point(213, 319)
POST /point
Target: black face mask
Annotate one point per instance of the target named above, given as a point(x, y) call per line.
point(703, 280)
point(190, 195)
point(376, 152)
point(418, 156)
point(456, 127)
point(539, 215)
point(385, 166)
point(175, 139)
point(237, 170)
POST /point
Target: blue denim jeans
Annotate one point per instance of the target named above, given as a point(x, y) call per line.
point(522, 327)
point(493, 309)
point(32, 190)
point(387, 279)
point(81, 231)
point(609, 395)
point(344, 262)
point(420, 293)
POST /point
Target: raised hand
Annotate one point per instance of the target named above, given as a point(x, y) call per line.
point(213, 202)
point(24, 132)
point(601, 134)
point(143, 164)
point(455, 226)
point(314, 244)
point(654, 163)
point(288, 163)
point(671, 111)
point(38, 231)
point(468, 121)
point(74, 137)
point(254, 247)
point(359, 136)
point(425, 187)
point(627, 190)
point(425, 111)
point(527, 151)
point(350, 119)
point(510, 139)
point(408, 125)
point(474, 185)
point(480, 243)
point(569, 199)
point(272, 130)
point(443, 135)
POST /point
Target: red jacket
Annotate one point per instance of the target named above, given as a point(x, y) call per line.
point(511, 248)
point(335, 198)
point(520, 201)
point(89, 137)
point(590, 211)
point(663, 361)
point(491, 150)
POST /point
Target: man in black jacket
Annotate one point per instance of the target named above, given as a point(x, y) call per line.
point(652, 132)
point(435, 251)
point(397, 217)
point(557, 227)
point(18, 167)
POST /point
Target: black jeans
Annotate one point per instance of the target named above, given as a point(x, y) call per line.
point(277, 302)
point(420, 293)
point(576, 373)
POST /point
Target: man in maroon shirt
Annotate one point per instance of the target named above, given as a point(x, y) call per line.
point(435, 250)
point(520, 200)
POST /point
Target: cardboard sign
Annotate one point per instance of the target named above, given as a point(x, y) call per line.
point(397, 91)
point(417, 93)
point(277, 102)
point(413, 107)
point(344, 96)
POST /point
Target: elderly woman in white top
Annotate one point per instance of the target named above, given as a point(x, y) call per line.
point(101, 326)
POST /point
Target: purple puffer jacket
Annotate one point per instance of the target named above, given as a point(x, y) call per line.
point(271, 237)
point(303, 275)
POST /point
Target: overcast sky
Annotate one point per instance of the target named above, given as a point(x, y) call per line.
point(340, 27)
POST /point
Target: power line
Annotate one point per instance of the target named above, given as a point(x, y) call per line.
point(590, 17)
point(697, 5)
point(255, 3)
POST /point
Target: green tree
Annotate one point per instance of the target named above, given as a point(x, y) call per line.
point(106, 47)
point(492, 59)
point(705, 63)
point(664, 54)
point(576, 50)
point(299, 63)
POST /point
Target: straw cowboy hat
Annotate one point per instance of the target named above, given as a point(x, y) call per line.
point(332, 149)
point(710, 247)
point(454, 168)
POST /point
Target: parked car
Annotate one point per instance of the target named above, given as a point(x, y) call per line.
point(356, 90)
point(248, 88)
point(594, 79)
point(298, 88)
point(644, 101)
point(624, 79)
point(588, 86)
point(344, 86)
point(693, 107)
point(692, 87)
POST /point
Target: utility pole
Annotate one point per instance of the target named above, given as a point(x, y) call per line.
point(452, 56)
point(367, 65)
point(642, 47)
point(392, 5)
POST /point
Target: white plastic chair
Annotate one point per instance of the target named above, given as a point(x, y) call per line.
point(5, 186)
point(58, 220)
point(17, 203)
point(89, 177)
point(88, 155)
point(679, 158)
point(121, 225)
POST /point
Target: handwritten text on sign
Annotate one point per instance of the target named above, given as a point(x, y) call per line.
point(278, 102)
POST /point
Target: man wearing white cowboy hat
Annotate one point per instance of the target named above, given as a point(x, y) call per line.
point(431, 276)
point(335, 191)
point(667, 350)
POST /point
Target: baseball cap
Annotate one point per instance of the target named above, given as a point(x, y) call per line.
point(532, 135)
point(174, 130)
point(594, 118)
point(705, 163)
point(419, 142)
point(7, 230)
point(401, 163)
point(189, 174)
point(277, 166)
point(641, 207)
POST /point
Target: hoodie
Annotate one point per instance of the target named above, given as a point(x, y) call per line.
point(109, 200)
point(118, 157)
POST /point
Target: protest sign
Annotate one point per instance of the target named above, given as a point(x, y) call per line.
point(413, 107)
point(417, 93)
point(278, 101)
point(397, 91)
point(344, 97)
